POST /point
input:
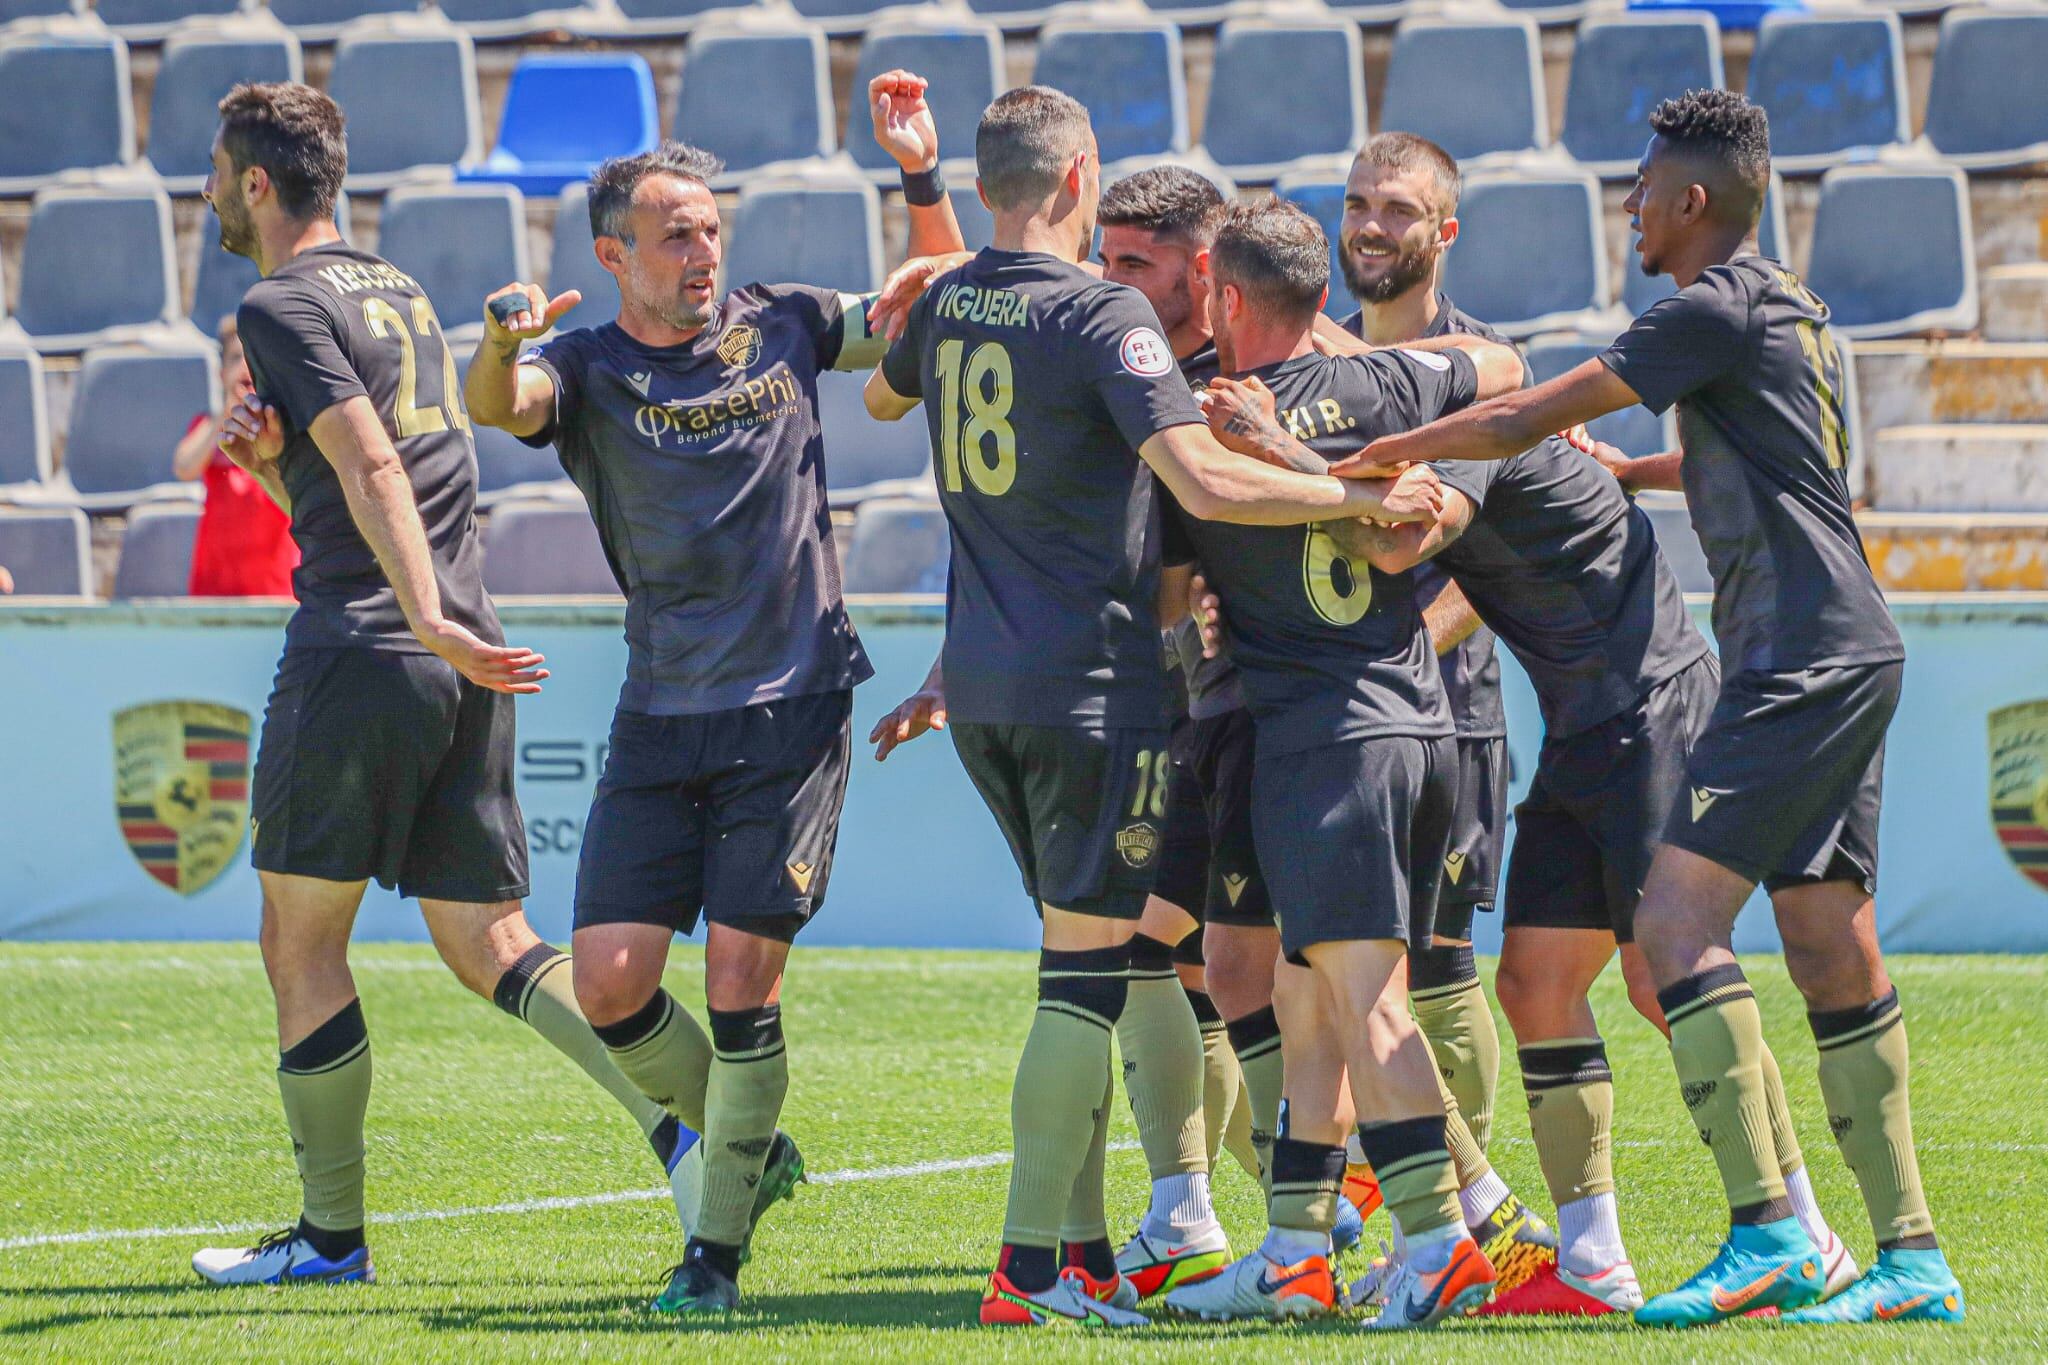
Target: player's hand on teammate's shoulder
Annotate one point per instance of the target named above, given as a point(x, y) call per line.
point(520, 312)
point(922, 710)
point(251, 433)
point(1366, 465)
point(501, 668)
point(903, 120)
point(889, 314)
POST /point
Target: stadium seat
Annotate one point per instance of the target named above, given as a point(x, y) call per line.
point(64, 101)
point(1834, 85)
point(1676, 538)
point(660, 18)
point(505, 465)
point(788, 113)
point(1128, 73)
point(823, 229)
point(408, 86)
point(977, 224)
point(1622, 66)
point(11, 10)
point(572, 264)
point(1893, 252)
point(1634, 430)
point(865, 458)
point(129, 406)
point(1014, 15)
point(1639, 291)
point(223, 279)
point(1319, 190)
point(537, 547)
point(845, 17)
point(964, 59)
point(322, 21)
point(1373, 13)
point(1551, 12)
point(47, 551)
point(97, 257)
point(156, 550)
point(151, 21)
point(566, 112)
point(1987, 107)
point(1309, 79)
point(899, 545)
point(1531, 256)
point(497, 20)
point(202, 61)
point(1472, 86)
point(461, 242)
point(24, 422)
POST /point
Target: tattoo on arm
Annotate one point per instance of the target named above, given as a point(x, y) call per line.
point(1273, 440)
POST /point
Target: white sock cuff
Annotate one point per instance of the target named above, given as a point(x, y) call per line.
point(1799, 1189)
point(1482, 1197)
point(1589, 1234)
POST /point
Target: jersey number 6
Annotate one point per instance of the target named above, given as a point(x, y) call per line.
point(1339, 590)
point(989, 440)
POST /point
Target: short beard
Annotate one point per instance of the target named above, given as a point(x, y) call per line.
point(670, 312)
point(1409, 268)
point(1180, 306)
point(237, 237)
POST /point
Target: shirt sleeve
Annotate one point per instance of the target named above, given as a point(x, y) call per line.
point(1120, 354)
point(1683, 342)
point(297, 351)
point(1417, 387)
point(1470, 477)
point(836, 323)
point(903, 366)
point(561, 359)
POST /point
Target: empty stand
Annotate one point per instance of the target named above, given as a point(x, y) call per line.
point(899, 545)
point(47, 551)
point(1633, 430)
point(156, 551)
point(1893, 252)
point(24, 421)
point(1987, 107)
point(1834, 85)
point(97, 257)
point(149, 21)
point(201, 63)
point(129, 407)
point(845, 16)
point(824, 230)
point(537, 546)
point(10, 10)
point(1551, 12)
point(1128, 73)
point(564, 113)
point(1320, 193)
point(408, 86)
point(667, 18)
point(1284, 89)
point(864, 457)
point(1472, 86)
point(573, 264)
point(1622, 67)
point(64, 102)
point(786, 114)
point(492, 20)
point(461, 242)
point(963, 59)
point(321, 21)
point(1530, 256)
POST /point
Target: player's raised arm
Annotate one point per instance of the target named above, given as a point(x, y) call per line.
point(904, 127)
point(500, 392)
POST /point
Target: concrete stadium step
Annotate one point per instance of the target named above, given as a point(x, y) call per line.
point(1957, 551)
point(2015, 302)
point(1922, 383)
point(1958, 468)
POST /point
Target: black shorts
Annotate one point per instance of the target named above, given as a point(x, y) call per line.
point(729, 814)
point(377, 764)
point(1479, 827)
point(1352, 837)
point(1785, 782)
point(1084, 811)
point(1596, 809)
point(1182, 877)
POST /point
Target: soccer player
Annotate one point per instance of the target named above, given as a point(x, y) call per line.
point(1050, 394)
point(1784, 782)
point(1353, 784)
point(691, 425)
point(387, 746)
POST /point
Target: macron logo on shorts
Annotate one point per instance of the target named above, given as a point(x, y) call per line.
point(1703, 801)
point(1144, 352)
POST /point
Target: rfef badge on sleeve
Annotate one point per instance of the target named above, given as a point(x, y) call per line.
point(181, 788)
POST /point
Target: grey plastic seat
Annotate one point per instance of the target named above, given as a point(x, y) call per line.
point(222, 279)
point(788, 115)
point(461, 242)
point(1639, 291)
point(497, 20)
point(899, 545)
point(1472, 86)
point(536, 547)
point(964, 58)
point(1676, 538)
point(1128, 73)
point(1833, 84)
point(573, 264)
point(1893, 252)
point(47, 551)
point(129, 407)
point(840, 17)
point(151, 21)
point(322, 21)
point(505, 465)
point(1014, 16)
point(1373, 13)
point(1622, 67)
point(97, 258)
point(24, 420)
point(201, 63)
point(1634, 430)
point(156, 551)
point(1310, 75)
point(865, 458)
point(658, 18)
point(977, 224)
point(1987, 106)
point(824, 230)
point(65, 102)
point(408, 86)
point(1551, 13)
point(1319, 191)
point(11, 10)
point(1531, 257)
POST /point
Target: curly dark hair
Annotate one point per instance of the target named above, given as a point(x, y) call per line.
point(610, 195)
point(1168, 201)
point(1722, 129)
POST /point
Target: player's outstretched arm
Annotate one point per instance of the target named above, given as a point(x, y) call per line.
point(1503, 426)
point(1216, 484)
point(500, 392)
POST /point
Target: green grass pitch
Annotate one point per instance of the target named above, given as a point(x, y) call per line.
point(136, 1096)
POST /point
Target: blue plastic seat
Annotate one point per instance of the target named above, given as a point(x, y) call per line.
point(24, 419)
point(1633, 430)
point(64, 102)
point(1622, 68)
point(1129, 75)
point(47, 551)
point(201, 63)
point(900, 545)
point(865, 458)
point(461, 242)
point(151, 21)
point(1729, 14)
point(1893, 253)
point(573, 263)
point(823, 230)
point(129, 408)
point(1987, 107)
point(1472, 86)
point(1319, 191)
point(408, 87)
point(96, 258)
point(1310, 79)
point(1833, 84)
point(11, 10)
point(321, 21)
point(535, 547)
point(156, 550)
point(788, 113)
point(1531, 256)
point(566, 112)
point(962, 58)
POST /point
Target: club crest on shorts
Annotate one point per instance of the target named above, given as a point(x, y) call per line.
point(2019, 786)
point(181, 788)
point(740, 346)
point(1136, 844)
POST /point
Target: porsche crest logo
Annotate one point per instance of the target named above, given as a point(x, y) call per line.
point(181, 788)
point(740, 347)
point(2019, 786)
point(1137, 843)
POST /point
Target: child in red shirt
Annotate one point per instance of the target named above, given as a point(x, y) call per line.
point(245, 546)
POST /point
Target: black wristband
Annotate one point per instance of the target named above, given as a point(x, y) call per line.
point(922, 189)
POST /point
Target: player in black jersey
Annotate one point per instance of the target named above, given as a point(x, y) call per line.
point(691, 425)
point(1050, 394)
point(386, 750)
point(1783, 784)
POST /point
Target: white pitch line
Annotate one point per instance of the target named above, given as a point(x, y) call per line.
point(911, 1171)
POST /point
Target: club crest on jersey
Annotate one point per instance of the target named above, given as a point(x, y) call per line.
point(181, 788)
point(1145, 352)
point(740, 346)
point(1136, 844)
point(2019, 786)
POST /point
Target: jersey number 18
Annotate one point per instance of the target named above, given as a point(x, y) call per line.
point(984, 443)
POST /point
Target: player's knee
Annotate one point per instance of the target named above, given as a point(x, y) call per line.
point(606, 993)
point(1519, 988)
point(742, 971)
point(292, 945)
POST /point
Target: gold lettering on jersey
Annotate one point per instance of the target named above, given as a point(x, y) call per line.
point(761, 398)
point(988, 307)
point(1324, 417)
point(349, 277)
